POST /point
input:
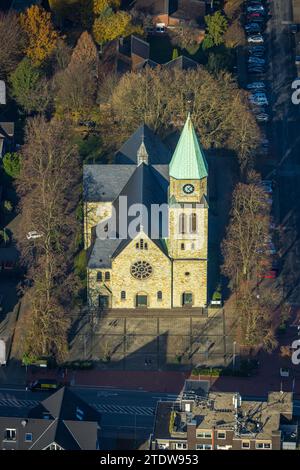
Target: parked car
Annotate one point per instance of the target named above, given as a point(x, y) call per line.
point(33, 235)
point(262, 117)
point(46, 385)
point(284, 372)
point(256, 86)
point(271, 274)
point(256, 39)
point(256, 60)
point(253, 9)
point(256, 18)
point(294, 28)
point(252, 27)
point(257, 100)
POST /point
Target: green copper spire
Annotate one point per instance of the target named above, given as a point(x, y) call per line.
point(188, 161)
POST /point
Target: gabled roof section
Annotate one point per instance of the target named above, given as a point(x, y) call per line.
point(104, 182)
point(65, 405)
point(188, 161)
point(158, 152)
point(181, 63)
point(144, 189)
point(140, 47)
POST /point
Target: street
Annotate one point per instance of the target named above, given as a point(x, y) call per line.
point(127, 415)
point(285, 138)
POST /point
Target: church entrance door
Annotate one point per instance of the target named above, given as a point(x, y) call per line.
point(141, 301)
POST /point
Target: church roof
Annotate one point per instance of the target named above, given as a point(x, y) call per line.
point(146, 188)
point(158, 153)
point(188, 161)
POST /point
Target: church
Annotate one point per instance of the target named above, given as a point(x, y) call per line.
point(151, 259)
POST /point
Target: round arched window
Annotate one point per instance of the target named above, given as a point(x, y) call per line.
point(141, 270)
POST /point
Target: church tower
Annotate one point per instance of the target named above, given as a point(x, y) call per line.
point(188, 220)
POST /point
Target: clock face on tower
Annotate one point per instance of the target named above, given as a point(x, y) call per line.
point(188, 188)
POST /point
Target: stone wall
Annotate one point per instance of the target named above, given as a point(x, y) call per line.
point(195, 282)
point(159, 280)
point(94, 212)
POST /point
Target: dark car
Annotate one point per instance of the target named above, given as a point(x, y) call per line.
point(46, 385)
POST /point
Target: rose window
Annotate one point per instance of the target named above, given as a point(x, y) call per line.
point(141, 270)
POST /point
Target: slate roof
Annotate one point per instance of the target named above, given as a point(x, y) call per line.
point(104, 182)
point(157, 151)
point(182, 63)
point(139, 47)
point(7, 129)
point(147, 63)
point(102, 253)
point(188, 161)
point(153, 7)
point(143, 188)
point(62, 418)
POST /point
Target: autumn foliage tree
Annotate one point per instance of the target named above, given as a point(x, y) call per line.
point(40, 33)
point(76, 86)
point(110, 24)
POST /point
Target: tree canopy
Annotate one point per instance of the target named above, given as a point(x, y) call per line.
point(12, 164)
point(41, 35)
point(159, 98)
point(109, 26)
point(29, 88)
point(216, 27)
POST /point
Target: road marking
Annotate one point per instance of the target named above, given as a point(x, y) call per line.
point(15, 403)
point(126, 410)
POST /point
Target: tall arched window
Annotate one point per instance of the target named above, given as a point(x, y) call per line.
point(182, 223)
point(193, 222)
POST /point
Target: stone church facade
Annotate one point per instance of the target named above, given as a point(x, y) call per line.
point(161, 271)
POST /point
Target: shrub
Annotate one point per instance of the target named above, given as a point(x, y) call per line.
point(12, 164)
point(8, 206)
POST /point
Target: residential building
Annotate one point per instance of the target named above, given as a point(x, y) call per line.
point(134, 54)
point(60, 422)
point(296, 11)
point(163, 264)
point(223, 421)
point(166, 13)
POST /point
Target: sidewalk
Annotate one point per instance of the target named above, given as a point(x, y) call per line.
point(171, 382)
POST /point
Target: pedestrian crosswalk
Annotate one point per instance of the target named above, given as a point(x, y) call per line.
point(102, 408)
point(16, 403)
point(125, 410)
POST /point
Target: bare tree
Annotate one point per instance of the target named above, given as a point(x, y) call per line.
point(160, 97)
point(12, 42)
point(49, 190)
point(245, 248)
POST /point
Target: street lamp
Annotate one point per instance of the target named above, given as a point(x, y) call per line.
point(233, 359)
